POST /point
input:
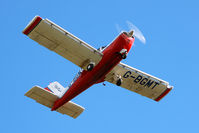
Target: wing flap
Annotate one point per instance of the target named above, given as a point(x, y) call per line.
point(47, 99)
point(139, 82)
point(56, 39)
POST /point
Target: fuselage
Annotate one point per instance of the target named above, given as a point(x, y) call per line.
point(88, 78)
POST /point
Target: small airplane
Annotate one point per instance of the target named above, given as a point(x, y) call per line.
point(97, 66)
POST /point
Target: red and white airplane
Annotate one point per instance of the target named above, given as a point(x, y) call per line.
point(96, 66)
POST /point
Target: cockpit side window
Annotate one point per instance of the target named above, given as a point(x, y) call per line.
point(76, 77)
point(101, 48)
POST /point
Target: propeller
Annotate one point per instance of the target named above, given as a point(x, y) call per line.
point(134, 31)
point(137, 33)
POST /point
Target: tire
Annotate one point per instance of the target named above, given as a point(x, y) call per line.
point(123, 56)
point(90, 67)
point(119, 82)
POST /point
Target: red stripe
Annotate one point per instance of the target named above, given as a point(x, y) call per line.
point(35, 22)
point(47, 89)
point(163, 94)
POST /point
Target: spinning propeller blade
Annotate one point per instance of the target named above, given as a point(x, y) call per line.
point(136, 32)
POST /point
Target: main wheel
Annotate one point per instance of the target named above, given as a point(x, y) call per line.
point(90, 67)
point(119, 82)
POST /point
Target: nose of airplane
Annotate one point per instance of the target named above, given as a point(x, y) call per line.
point(131, 33)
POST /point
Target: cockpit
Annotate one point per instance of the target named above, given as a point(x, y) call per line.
point(76, 77)
point(101, 48)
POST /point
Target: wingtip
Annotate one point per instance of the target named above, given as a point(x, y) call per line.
point(169, 88)
point(35, 21)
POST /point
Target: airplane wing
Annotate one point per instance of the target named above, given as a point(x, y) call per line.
point(139, 82)
point(56, 39)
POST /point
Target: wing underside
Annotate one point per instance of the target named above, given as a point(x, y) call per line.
point(56, 39)
point(139, 82)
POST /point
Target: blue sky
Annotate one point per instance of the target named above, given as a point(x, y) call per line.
point(171, 53)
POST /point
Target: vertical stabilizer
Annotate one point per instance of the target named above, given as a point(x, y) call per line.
point(57, 89)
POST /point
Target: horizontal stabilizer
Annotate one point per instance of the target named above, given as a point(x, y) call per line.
point(47, 99)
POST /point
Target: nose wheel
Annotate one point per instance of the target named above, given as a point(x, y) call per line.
point(123, 53)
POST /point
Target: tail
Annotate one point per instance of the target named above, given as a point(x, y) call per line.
point(47, 96)
point(56, 88)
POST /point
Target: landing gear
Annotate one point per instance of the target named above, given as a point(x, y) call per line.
point(119, 82)
point(117, 79)
point(90, 66)
point(123, 53)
